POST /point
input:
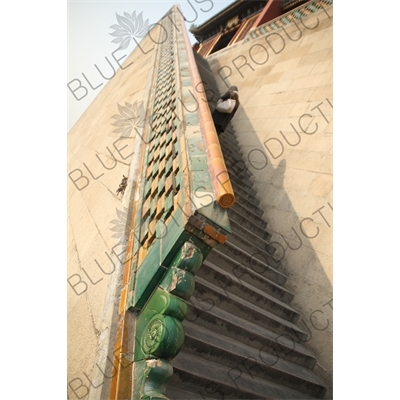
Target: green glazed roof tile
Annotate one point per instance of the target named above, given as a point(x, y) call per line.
point(168, 188)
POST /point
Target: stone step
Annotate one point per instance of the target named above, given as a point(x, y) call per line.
point(210, 87)
point(239, 178)
point(235, 159)
point(237, 238)
point(230, 134)
point(236, 156)
point(237, 188)
point(175, 392)
point(215, 296)
point(254, 226)
point(260, 254)
point(256, 218)
point(229, 143)
point(239, 255)
point(236, 173)
point(239, 273)
point(260, 240)
point(275, 299)
point(212, 379)
point(228, 137)
point(234, 168)
point(247, 257)
point(248, 204)
point(205, 314)
point(241, 358)
point(257, 247)
point(236, 163)
point(231, 286)
point(245, 185)
point(228, 140)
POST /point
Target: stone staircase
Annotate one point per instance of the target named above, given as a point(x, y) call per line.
point(241, 340)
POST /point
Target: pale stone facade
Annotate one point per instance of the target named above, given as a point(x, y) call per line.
point(280, 94)
point(98, 157)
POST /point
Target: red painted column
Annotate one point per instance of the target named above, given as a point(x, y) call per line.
point(272, 10)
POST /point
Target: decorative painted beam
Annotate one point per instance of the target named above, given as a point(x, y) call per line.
point(287, 18)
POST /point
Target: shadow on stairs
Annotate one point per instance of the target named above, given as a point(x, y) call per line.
point(242, 341)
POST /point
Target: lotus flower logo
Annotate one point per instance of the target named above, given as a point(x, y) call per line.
point(130, 115)
point(130, 26)
point(119, 225)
